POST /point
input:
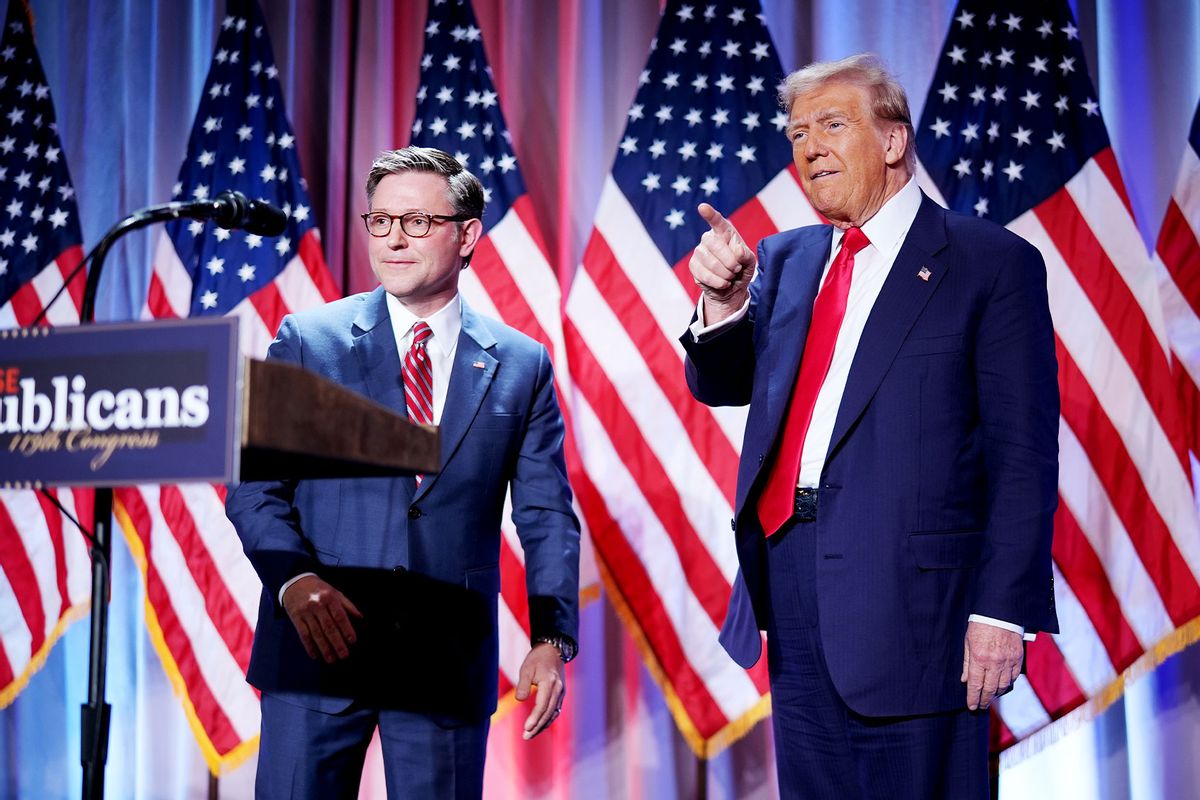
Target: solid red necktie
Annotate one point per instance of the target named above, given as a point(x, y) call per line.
point(777, 501)
point(418, 378)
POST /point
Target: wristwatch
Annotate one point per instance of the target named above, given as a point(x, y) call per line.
point(566, 646)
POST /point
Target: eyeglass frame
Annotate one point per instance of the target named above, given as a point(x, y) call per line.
point(393, 218)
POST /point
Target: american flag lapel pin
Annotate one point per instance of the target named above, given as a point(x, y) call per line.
point(924, 274)
point(477, 365)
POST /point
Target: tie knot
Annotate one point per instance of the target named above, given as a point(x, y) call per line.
point(421, 332)
point(854, 240)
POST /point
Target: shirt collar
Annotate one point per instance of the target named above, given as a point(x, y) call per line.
point(890, 224)
point(446, 322)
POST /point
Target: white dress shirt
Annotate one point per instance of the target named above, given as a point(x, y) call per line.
point(886, 232)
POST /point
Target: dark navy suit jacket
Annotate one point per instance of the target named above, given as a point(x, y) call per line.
point(940, 482)
point(501, 426)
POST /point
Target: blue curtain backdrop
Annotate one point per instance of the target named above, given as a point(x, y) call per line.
point(126, 78)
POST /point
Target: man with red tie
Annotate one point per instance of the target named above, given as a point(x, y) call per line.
point(420, 662)
point(899, 470)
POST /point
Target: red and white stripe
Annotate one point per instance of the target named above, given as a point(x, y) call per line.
point(665, 466)
point(1127, 536)
point(202, 594)
point(1177, 267)
point(28, 301)
point(45, 578)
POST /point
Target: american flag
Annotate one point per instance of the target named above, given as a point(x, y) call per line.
point(202, 594)
point(44, 565)
point(705, 126)
point(1012, 132)
point(1177, 262)
point(510, 277)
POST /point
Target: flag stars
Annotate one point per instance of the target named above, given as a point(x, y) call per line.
point(43, 185)
point(993, 131)
point(682, 184)
point(445, 95)
point(1013, 171)
point(1070, 31)
point(686, 13)
point(215, 266)
point(208, 299)
point(700, 83)
point(981, 207)
point(737, 16)
point(37, 213)
point(674, 219)
point(731, 48)
point(628, 145)
point(1000, 94)
point(451, 63)
point(272, 72)
point(780, 120)
point(426, 62)
point(300, 213)
point(246, 272)
point(710, 186)
point(222, 234)
point(715, 151)
point(985, 60)
point(489, 98)
point(66, 191)
point(507, 163)
point(1067, 65)
point(283, 245)
point(1022, 136)
point(438, 126)
point(30, 243)
point(971, 132)
point(24, 180)
point(212, 124)
point(1056, 142)
point(205, 159)
point(200, 192)
point(644, 77)
point(267, 173)
point(256, 68)
point(651, 181)
point(991, 23)
point(1046, 28)
point(658, 148)
point(965, 20)
point(1091, 107)
point(1013, 22)
point(940, 128)
point(195, 227)
point(466, 130)
point(7, 144)
point(41, 92)
point(750, 121)
point(8, 238)
point(755, 85)
point(58, 219)
point(16, 116)
point(957, 54)
point(710, 13)
point(687, 150)
point(25, 88)
point(664, 114)
point(705, 49)
point(694, 117)
point(253, 241)
point(671, 81)
point(636, 112)
point(1030, 99)
point(1039, 65)
point(725, 83)
point(252, 100)
point(463, 158)
point(8, 53)
point(286, 141)
point(244, 133)
point(963, 167)
point(222, 56)
point(720, 117)
point(948, 92)
point(1006, 57)
point(31, 151)
point(679, 47)
point(746, 154)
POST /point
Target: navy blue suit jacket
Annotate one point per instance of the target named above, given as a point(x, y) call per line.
point(501, 426)
point(940, 482)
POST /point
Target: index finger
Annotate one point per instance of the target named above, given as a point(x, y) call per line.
point(716, 220)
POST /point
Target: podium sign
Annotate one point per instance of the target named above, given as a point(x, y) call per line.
point(116, 404)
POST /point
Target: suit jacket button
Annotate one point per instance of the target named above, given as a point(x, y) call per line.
point(761, 457)
point(414, 513)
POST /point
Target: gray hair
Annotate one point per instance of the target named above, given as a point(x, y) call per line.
point(466, 192)
point(889, 103)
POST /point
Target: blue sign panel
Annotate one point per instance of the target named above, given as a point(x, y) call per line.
point(115, 404)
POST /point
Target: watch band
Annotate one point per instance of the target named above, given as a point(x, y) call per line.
point(566, 647)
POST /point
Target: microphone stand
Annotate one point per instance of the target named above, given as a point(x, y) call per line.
point(95, 714)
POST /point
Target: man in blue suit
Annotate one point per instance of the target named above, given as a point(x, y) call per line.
point(380, 594)
point(898, 477)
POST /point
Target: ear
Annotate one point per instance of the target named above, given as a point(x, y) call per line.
point(472, 232)
point(897, 144)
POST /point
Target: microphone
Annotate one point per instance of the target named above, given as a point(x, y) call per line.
point(232, 209)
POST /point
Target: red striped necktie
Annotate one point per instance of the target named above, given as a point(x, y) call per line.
point(777, 501)
point(418, 378)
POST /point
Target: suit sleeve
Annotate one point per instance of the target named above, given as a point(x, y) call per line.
point(1016, 380)
point(263, 512)
point(542, 512)
point(720, 369)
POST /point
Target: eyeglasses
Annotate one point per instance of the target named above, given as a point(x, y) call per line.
point(416, 224)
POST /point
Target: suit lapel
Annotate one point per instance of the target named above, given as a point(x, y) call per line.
point(470, 377)
point(901, 300)
point(799, 280)
point(375, 348)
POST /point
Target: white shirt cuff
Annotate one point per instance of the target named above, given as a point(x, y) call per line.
point(1008, 626)
point(287, 585)
point(699, 329)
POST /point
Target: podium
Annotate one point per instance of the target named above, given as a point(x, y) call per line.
point(172, 402)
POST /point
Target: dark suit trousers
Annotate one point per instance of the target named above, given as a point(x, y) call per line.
point(825, 750)
point(308, 754)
